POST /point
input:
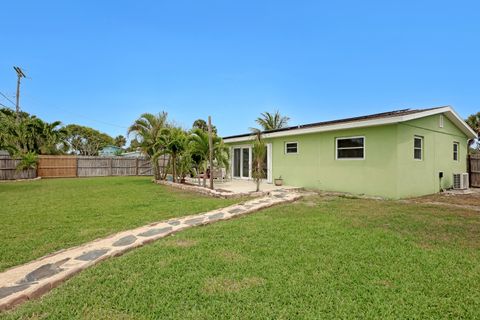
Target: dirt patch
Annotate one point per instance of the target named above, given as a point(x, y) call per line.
point(469, 200)
point(182, 243)
point(384, 283)
point(230, 256)
point(100, 313)
point(221, 285)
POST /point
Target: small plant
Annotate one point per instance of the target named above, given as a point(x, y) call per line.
point(279, 181)
point(28, 160)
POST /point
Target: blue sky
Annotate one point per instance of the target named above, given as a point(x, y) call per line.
point(103, 63)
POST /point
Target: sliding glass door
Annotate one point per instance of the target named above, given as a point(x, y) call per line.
point(242, 159)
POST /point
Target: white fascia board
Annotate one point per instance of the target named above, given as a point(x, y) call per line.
point(368, 123)
point(461, 124)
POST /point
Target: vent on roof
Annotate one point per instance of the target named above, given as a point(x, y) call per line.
point(440, 121)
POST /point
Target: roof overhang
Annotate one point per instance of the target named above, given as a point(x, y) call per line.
point(447, 111)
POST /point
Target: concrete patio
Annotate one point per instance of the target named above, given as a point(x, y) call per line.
point(243, 186)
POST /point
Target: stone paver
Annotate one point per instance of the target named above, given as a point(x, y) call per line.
point(125, 241)
point(37, 277)
point(153, 232)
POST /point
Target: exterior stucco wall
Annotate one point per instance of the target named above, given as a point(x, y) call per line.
point(388, 170)
point(315, 165)
point(420, 177)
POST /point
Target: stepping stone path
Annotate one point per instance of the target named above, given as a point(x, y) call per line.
point(33, 279)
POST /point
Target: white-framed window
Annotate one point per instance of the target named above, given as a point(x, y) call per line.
point(455, 151)
point(418, 148)
point(440, 121)
point(291, 147)
point(350, 148)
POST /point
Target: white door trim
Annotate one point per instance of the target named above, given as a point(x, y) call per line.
point(269, 163)
point(241, 147)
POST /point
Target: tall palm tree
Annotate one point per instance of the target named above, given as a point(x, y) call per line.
point(272, 121)
point(258, 154)
point(200, 149)
point(474, 122)
point(147, 129)
point(174, 141)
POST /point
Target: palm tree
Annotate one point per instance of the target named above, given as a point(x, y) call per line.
point(258, 154)
point(175, 142)
point(148, 129)
point(200, 150)
point(474, 122)
point(52, 137)
point(272, 121)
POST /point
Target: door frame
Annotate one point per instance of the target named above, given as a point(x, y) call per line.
point(245, 146)
point(269, 163)
point(232, 158)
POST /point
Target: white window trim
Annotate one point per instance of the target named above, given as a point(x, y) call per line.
point(421, 147)
point(285, 147)
point(458, 151)
point(354, 137)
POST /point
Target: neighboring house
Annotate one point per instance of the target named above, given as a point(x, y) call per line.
point(133, 154)
point(110, 151)
point(393, 154)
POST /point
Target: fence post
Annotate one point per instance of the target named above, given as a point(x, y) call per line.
point(111, 166)
point(76, 166)
point(136, 166)
point(469, 170)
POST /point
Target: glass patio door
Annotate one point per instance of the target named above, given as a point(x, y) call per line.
point(241, 162)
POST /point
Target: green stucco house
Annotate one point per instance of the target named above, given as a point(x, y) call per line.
point(394, 154)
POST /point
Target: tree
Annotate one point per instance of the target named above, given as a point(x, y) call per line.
point(174, 142)
point(258, 154)
point(120, 141)
point(474, 122)
point(147, 130)
point(53, 137)
point(202, 125)
point(29, 134)
point(272, 121)
point(86, 141)
point(200, 151)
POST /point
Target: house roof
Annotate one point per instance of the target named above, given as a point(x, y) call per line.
point(376, 119)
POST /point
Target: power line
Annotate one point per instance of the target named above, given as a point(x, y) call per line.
point(72, 113)
point(11, 101)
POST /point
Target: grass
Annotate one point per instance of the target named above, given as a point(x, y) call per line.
point(323, 257)
point(40, 217)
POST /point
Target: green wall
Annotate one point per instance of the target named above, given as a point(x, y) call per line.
point(388, 169)
point(422, 177)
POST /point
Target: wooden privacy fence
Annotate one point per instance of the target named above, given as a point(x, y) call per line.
point(79, 166)
point(57, 166)
point(474, 170)
point(8, 170)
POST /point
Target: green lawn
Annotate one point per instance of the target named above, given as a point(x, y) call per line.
point(40, 217)
point(318, 258)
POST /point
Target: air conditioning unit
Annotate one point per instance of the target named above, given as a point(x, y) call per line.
point(460, 181)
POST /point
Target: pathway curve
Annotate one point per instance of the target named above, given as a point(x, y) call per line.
point(33, 279)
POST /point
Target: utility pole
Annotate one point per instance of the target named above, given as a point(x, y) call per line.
point(20, 75)
point(210, 146)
